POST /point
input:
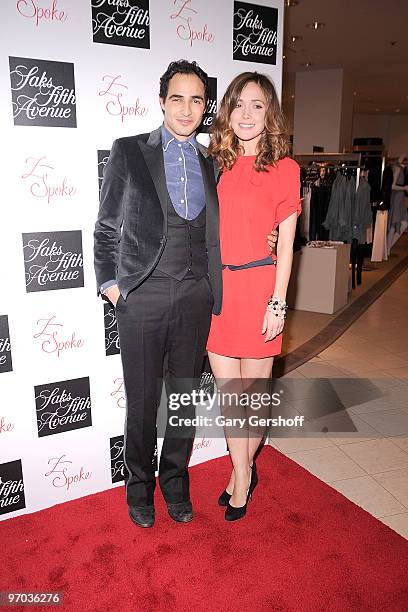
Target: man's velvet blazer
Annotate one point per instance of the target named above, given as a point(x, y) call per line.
point(131, 229)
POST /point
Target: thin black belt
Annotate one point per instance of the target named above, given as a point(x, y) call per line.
point(266, 261)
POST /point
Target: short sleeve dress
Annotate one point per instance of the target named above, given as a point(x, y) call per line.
point(251, 204)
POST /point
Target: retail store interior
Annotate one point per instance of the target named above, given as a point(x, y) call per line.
point(345, 97)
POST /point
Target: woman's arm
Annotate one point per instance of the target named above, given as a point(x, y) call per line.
point(284, 253)
point(272, 324)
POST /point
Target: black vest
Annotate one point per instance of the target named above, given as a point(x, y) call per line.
point(185, 251)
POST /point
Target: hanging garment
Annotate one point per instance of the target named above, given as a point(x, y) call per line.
point(369, 234)
point(332, 218)
point(380, 250)
point(318, 210)
point(340, 211)
point(397, 216)
point(331, 222)
point(362, 215)
point(305, 214)
point(346, 211)
point(386, 187)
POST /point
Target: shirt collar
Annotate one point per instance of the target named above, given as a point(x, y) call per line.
point(167, 138)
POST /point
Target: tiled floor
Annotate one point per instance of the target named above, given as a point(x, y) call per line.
point(301, 325)
point(370, 466)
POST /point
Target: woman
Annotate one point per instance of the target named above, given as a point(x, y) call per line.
point(259, 184)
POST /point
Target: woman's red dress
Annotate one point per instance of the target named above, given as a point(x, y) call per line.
point(251, 205)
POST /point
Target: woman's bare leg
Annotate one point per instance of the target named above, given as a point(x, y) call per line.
point(255, 374)
point(227, 372)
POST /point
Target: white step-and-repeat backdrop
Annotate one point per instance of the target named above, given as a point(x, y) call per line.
point(75, 75)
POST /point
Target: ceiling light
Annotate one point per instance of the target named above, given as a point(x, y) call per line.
point(316, 25)
point(295, 38)
point(289, 3)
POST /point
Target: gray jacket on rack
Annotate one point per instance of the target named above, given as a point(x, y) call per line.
point(362, 215)
point(349, 213)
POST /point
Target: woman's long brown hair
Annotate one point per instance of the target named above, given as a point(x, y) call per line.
point(273, 144)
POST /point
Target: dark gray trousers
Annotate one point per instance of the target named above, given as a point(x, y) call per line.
point(163, 327)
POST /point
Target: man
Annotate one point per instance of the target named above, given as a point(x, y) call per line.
point(157, 259)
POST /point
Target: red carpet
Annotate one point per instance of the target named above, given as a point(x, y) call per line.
point(302, 547)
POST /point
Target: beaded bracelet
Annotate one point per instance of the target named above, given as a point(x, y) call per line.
point(277, 306)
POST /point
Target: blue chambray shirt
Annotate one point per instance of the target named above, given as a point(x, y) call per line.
point(183, 175)
point(183, 178)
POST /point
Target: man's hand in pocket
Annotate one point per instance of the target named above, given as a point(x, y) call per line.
point(113, 294)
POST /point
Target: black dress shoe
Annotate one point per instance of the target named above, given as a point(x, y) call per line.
point(181, 512)
point(234, 513)
point(224, 498)
point(143, 516)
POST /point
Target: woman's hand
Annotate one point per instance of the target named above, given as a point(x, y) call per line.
point(272, 325)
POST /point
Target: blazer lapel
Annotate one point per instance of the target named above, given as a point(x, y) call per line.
point(153, 154)
point(211, 201)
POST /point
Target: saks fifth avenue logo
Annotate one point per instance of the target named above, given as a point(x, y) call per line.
point(118, 393)
point(119, 471)
point(112, 346)
point(54, 340)
point(118, 468)
point(117, 104)
point(44, 182)
point(5, 345)
point(41, 11)
point(63, 406)
point(121, 22)
point(185, 16)
point(43, 92)
point(211, 107)
point(11, 487)
point(53, 260)
point(103, 156)
point(255, 33)
point(63, 475)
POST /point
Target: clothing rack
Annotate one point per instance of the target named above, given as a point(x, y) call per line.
point(327, 160)
point(339, 162)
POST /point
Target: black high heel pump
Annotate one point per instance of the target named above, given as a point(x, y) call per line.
point(224, 498)
point(233, 513)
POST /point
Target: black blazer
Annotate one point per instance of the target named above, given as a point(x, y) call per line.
point(131, 229)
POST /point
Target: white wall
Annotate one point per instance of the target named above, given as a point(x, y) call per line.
point(347, 107)
point(318, 106)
